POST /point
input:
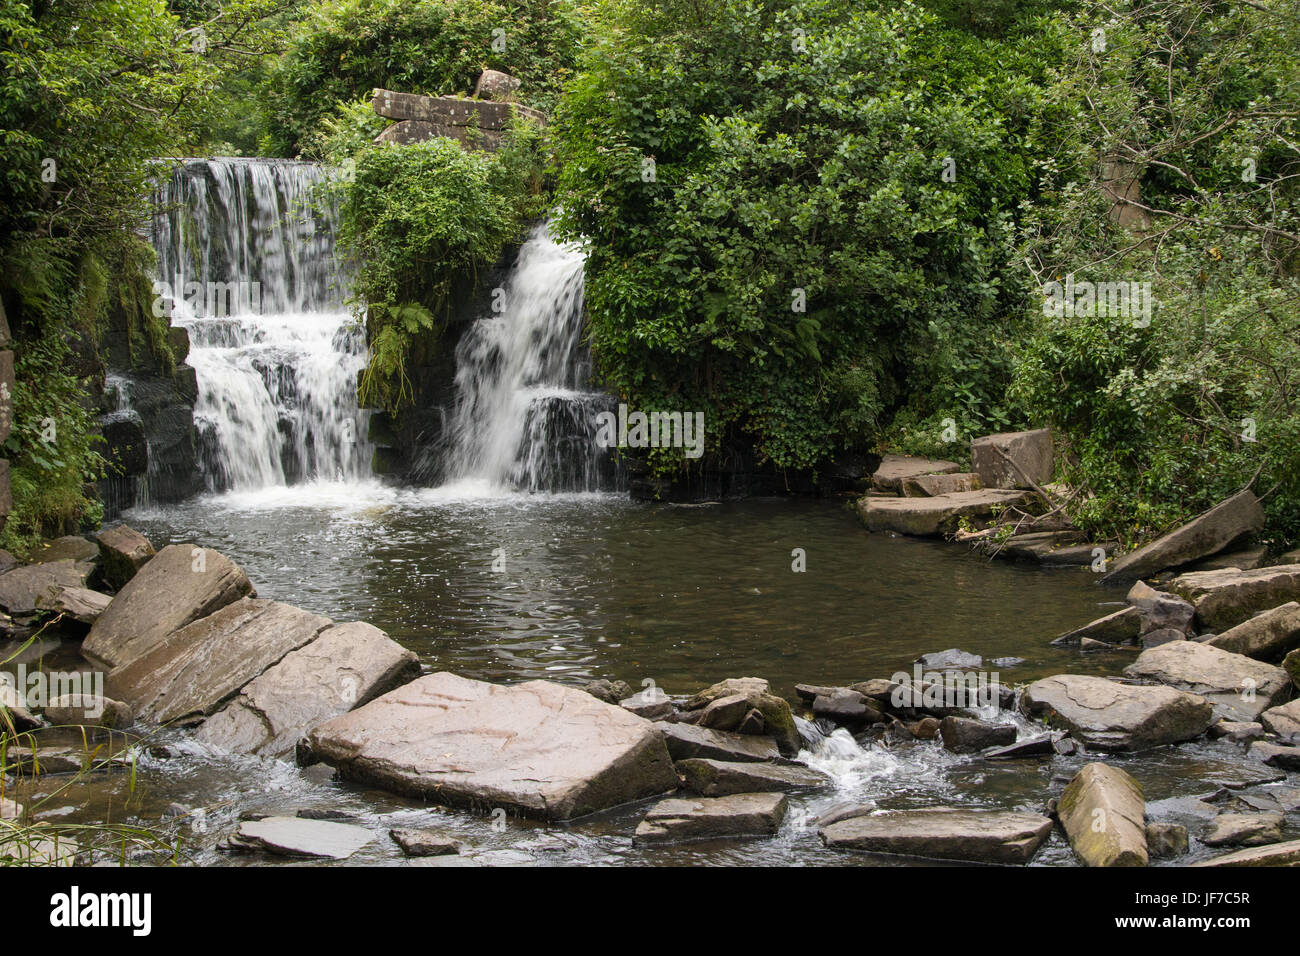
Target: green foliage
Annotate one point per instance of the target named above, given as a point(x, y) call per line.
point(419, 221)
point(780, 166)
point(1158, 423)
point(346, 48)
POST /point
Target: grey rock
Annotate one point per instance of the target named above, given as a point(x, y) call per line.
point(975, 836)
point(718, 778)
point(1165, 840)
point(424, 842)
point(1243, 829)
point(1115, 628)
point(686, 741)
point(895, 469)
point(1239, 687)
point(1224, 599)
point(1278, 854)
point(1110, 716)
point(1207, 534)
point(296, 837)
point(23, 589)
point(743, 814)
point(964, 736)
point(123, 551)
point(1013, 459)
point(932, 517)
point(1266, 636)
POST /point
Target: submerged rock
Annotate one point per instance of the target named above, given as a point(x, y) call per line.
point(538, 748)
point(1103, 813)
point(1110, 716)
point(719, 778)
point(1207, 534)
point(1115, 628)
point(742, 814)
point(974, 836)
point(180, 585)
point(1239, 687)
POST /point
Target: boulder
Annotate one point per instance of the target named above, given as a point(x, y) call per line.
point(1247, 559)
point(1103, 814)
point(724, 713)
point(719, 778)
point(1278, 854)
point(1166, 840)
point(1162, 636)
point(1207, 534)
point(1224, 599)
point(1238, 731)
point(847, 707)
point(651, 703)
point(705, 818)
point(345, 667)
point(193, 671)
point(1115, 628)
point(71, 547)
point(122, 551)
point(424, 842)
point(1160, 610)
point(1291, 664)
point(1266, 636)
point(1244, 829)
point(610, 691)
point(1283, 721)
point(296, 837)
point(931, 517)
point(538, 748)
point(1040, 745)
point(895, 469)
point(24, 589)
point(495, 85)
point(965, 736)
point(778, 721)
point(973, 836)
point(1110, 716)
point(88, 710)
point(180, 585)
point(687, 740)
point(927, 486)
point(1013, 459)
point(1239, 687)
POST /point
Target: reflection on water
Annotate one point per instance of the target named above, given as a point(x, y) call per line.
point(571, 587)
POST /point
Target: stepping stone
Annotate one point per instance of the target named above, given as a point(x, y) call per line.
point(424, 842)
point(294, 836)
point(1279, 854)
point(742, 814)
point(975, 836)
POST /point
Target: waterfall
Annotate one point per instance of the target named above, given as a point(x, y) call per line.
point(525, 417)
point(246, 264)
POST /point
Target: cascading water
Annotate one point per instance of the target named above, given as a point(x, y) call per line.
point(525, 418)
point(246, 263)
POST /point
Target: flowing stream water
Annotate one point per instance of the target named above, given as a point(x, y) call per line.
point(529, 563)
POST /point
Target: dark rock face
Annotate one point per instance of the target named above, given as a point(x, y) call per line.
point(152, 441)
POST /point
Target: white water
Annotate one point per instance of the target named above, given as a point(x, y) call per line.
point(276, 354)
point(525, 417)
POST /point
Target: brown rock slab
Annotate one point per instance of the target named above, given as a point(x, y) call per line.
point(24, 589)
point(347, 666)
point(1279, 854)
point(178, 586)
point(931, 517)
point(1239, 687)
point(742, 814)
point(1224, 599)
point(895, 469)
point(122, 551)
point(976, 836)
point(1206, 534)
point(1109, 716)
point(538, 748)
point(720, 778)
point(1013, 459)
point(1103, 813)
point(1266, 636)
point(685, 741)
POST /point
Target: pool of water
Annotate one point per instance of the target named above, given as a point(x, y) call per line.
point(571, 588)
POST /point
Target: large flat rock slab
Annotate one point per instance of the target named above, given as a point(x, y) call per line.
point(294, 836)
point(688, 740)
point(179, 585)
point(1110, 716)
point(705, 818)
point(196, 669)
point(975, 836)
point(1239, 687)
point(1204, 535)
point(896, 469)
point(939, 515)
point(347, 666)
point(537, 748)
point(1224, 599)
